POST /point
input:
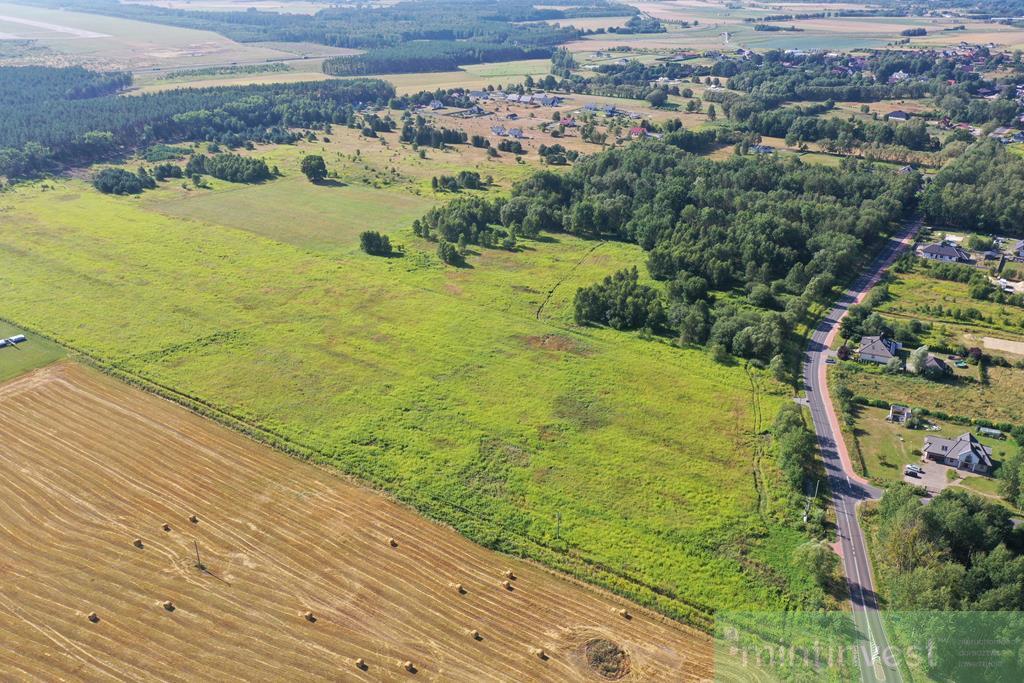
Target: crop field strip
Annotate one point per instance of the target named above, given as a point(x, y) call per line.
point(89, 464)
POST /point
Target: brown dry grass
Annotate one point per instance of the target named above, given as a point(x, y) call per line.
point(88, 464)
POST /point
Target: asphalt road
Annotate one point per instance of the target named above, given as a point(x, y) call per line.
point(848, 489)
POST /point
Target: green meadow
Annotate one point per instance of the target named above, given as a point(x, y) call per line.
point(465, 392)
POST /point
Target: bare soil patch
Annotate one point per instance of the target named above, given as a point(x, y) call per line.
point(304, 575)
point(554, 342)
point(606, 659)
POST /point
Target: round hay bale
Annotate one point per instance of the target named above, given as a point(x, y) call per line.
point(392, 542)
point(360, 664)
point(509, 574)
point(409, 666)
point(194, 519)
point(138, 543)
point(168, 605)
point(309, 616)
point(93, 617)
point(167, 527)
point(460, 589)
point(624, 613)
point(539, 652)
point(507, 585)
point(475, 635)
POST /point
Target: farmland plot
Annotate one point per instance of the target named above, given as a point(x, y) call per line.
point(90, 472)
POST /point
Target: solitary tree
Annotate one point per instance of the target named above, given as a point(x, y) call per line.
point(314, 168)
point(916, 361)
point(657, 97)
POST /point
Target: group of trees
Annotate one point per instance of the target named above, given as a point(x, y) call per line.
point(958, 553)
point(46, 118)
point(463, 180)
point(620, 302)
point(421, 132)
point(795, 445)
point(122, 181)
point(374, 243)
point(231, 167)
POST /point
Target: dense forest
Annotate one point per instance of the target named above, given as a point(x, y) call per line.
point(981, 190)
point(774, 235)
point(52, 116)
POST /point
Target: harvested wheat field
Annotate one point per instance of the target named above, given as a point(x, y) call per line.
point(104, 489)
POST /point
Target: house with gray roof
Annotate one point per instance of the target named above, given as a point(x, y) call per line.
point(878, 349)
point(964, 452)
point(944, 251)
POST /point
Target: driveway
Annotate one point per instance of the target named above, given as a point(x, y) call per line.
point(933, 478)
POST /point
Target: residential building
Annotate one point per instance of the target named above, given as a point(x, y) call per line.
point(964, 452)
point(878, 349)
point(944, 251)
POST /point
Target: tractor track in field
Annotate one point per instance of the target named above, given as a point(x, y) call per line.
point(551, 292)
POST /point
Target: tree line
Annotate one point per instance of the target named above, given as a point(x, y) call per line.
point(44, 122)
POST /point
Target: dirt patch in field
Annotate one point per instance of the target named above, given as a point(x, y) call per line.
point(555, 342)
point(107, 492)
point(1004, 345)
point(606, 659)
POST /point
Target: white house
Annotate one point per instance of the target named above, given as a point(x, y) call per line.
point(945, 251)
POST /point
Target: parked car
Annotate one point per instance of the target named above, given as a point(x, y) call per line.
point(913, 471)
point(830, 360)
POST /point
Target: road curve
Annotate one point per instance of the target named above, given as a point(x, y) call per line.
point(847, 487)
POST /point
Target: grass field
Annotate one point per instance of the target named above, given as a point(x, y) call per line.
point(88, 464)
point(34, 353)
point(109, 42)
point(318, 217)
point(444, 386)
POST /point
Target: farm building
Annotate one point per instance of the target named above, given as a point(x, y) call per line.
point(899, 115)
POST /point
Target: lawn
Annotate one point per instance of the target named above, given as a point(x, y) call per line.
point(29, 355)
point(440, 385)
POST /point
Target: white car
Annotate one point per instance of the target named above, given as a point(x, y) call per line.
point(913, 470)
